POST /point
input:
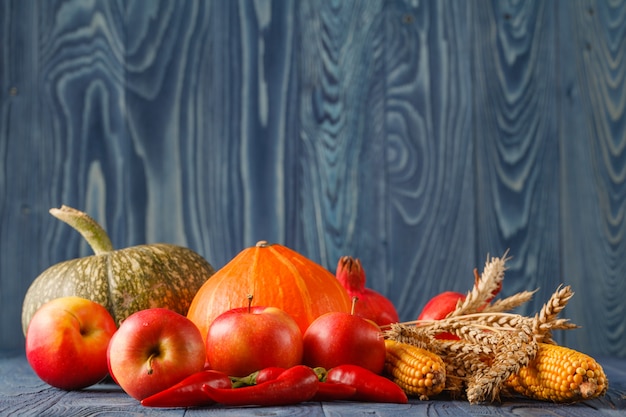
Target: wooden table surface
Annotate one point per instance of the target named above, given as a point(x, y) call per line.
point(22, 394)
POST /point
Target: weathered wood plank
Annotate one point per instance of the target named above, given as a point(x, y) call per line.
point(517, 152)
point(182, 113)
point(417, 136)
point(24, 166)
point(225, 116)
point(593, 139)
point(22, 393)
point(80, 68)
point(338, 174)
point(428, 146)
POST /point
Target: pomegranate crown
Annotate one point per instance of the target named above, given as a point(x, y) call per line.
point(350, 273)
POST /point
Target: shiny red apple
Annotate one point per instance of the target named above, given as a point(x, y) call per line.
point(441, 305)
point(340, 338)
point(247, 339)
point(154, 349)
point(66, 342)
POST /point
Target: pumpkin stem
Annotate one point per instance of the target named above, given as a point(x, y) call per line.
point(91, 231)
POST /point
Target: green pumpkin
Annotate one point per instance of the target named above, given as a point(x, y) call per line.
point(125, 280)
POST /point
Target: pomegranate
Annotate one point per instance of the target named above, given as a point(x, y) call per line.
point(370, 304)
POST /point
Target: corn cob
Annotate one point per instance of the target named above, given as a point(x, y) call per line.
point(559, 374)
point(419, 372)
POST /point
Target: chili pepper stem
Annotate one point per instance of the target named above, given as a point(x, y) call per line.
point(244, 381)
point(321, 373)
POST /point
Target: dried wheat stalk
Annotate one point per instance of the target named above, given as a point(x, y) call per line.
point(509, 303)
point(546, 320)
point(481, 360)
point(485, 286)
point(492, 343)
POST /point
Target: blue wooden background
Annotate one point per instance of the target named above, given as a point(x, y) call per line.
point(419, 136)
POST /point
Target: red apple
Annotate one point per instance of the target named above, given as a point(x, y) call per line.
point(441, 305)
point(154, 349)
point(340, 338)
point(66, 342)
point(247, 339)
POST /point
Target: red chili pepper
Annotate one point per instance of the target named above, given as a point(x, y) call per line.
point(269, 374)
point(294, 385)
point(258, 377)
point(334, 391)
point(189, 392)
point(369, 386)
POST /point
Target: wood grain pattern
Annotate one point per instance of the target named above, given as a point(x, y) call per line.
point(594, 170)
point(22, 393)
point(338, 166)
point(25, 167)
point(517, 144)
point(417, 136)
point(428, 148)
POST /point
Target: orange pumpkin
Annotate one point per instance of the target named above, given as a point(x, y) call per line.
point(275, 276)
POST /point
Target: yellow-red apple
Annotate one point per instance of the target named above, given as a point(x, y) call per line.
point(247, 339)
point(154, 349)
point(67, 340)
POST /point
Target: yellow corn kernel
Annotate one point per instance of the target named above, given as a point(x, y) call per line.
point(418, 372)
point(559, 374)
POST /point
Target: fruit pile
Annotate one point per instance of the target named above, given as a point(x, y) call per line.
point(274, 328)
